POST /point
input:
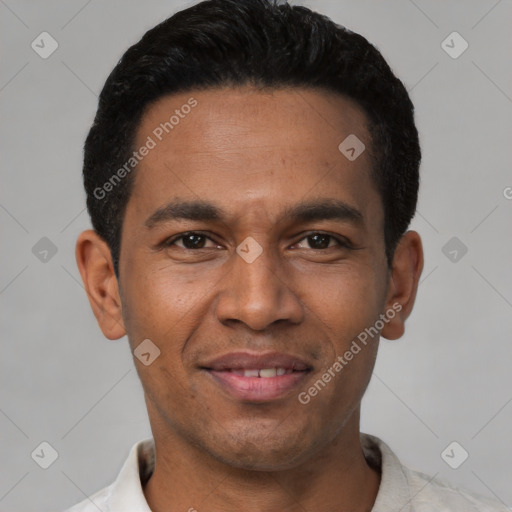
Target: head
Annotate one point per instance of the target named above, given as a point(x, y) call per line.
point(221, 133)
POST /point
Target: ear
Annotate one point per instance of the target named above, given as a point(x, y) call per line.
point(403, 283)
point(95, 264)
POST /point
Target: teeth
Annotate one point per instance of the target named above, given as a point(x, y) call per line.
point(263, 373)
point(268, 372)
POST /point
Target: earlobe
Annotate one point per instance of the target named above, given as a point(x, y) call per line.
point(94, 262)
point(403, 284)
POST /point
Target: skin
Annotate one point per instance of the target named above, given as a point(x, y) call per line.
point(253, 153)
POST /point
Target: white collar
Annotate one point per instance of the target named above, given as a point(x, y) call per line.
point(126, 493)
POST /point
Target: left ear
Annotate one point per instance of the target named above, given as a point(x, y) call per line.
point(403, 283)
point(94, 261)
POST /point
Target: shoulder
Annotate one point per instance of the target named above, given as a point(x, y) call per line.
point(97, 501)
point(430, 494)
point(412, 491)
point(126, 492)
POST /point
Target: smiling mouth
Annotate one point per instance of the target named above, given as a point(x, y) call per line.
point(251, 377)
point(258, 385)
point(264, 373)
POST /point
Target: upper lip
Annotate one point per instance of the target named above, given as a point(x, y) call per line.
point(256, 360)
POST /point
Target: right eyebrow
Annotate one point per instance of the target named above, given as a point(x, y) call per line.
point(188, 210)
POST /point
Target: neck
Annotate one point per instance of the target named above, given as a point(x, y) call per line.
point(337, 478)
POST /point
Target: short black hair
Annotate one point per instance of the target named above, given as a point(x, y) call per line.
point(264, 44)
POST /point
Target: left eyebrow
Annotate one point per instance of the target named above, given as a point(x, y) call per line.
point(305, 211)
point(323, 209)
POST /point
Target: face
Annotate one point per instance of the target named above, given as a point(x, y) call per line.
point(253, 256)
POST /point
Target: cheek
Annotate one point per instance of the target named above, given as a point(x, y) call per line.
point(159, 303)
point(346, 300)
point(165, 311)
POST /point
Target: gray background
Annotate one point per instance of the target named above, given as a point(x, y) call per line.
point(448, 379)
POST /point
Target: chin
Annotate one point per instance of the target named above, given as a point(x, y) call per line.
point(257, 447)
point(260, 459)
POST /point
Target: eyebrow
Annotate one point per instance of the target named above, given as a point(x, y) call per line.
point(305, 211)
point(188, 210)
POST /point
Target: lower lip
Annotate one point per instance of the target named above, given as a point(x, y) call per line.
point(257, 389)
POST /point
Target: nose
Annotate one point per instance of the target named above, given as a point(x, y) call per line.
point(258, 294)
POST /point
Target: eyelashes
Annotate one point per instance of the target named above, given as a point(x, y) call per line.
point(316, 240)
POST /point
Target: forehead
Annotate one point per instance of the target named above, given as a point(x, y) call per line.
point(245, 147)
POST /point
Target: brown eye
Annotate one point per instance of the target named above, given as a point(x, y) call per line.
point(319, 241)
point(191, 241)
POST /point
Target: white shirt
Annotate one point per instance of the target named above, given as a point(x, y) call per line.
point(401, 489)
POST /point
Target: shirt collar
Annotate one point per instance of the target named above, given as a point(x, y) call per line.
point(394, 492)
point(127, 495)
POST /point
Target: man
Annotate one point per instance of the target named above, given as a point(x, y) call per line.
point(250, 174)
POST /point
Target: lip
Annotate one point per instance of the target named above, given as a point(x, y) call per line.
point(257, 389)
point(246, 360)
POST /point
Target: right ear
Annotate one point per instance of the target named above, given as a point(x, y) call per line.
point(94, 262)
point(404, 281)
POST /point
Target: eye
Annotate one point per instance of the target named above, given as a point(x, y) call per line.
point(190, 241)
point(319, 241)
point(193, 240)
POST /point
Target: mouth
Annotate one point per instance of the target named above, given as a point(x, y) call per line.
point(257, 377)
